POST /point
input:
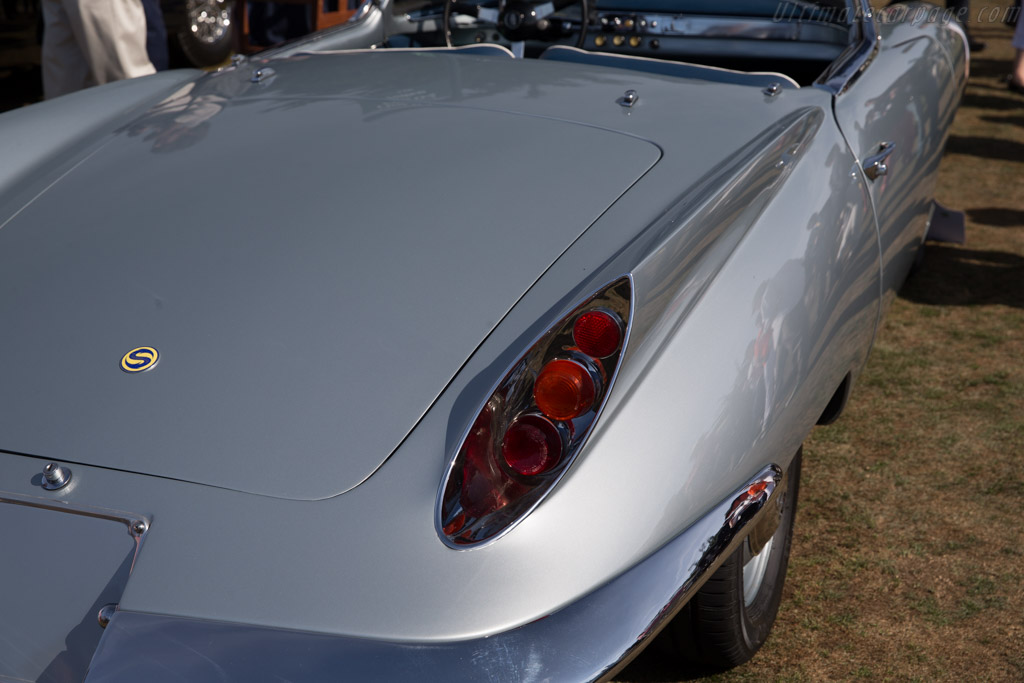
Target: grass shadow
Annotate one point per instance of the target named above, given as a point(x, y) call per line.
point(1010, 102)
point(657, 664)
point(951, 276)
point(986, 148)
point(988, 68)
point(998, 217)
point(1007, 120)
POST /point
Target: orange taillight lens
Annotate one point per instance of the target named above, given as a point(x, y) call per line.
point(564, 389)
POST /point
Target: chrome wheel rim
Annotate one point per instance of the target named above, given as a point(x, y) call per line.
point(208, 19)
point(754, 570)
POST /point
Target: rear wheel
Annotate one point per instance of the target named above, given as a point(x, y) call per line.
point(729, 618)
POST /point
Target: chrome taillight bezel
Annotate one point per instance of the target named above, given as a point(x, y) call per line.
point(510, 398)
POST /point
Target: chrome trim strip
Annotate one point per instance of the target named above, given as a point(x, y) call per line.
point(725, 27)
point(60, 505)
point(959, 30)
point(566, 53)
point(369, 26)
point(364, 8)
point(138, 525)
point(477, 48)
point(857, 57)
point(590, 639)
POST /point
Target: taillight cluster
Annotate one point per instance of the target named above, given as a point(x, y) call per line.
point(536, 420)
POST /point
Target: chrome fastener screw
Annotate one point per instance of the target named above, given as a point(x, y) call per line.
point(772, 90)
point(105, 613)
point(629, 98)
point(262, 74)
point(55, 477)
point(139, 527)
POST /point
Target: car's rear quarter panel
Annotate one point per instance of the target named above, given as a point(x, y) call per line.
point(735, 355)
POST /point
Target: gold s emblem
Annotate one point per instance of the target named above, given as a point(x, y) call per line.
point(140, 359)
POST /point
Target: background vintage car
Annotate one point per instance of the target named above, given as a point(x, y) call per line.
point(290, 335)
point(202, 29)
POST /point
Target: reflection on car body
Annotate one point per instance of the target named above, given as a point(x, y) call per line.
point(490, 359)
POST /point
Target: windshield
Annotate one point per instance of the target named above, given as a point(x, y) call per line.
point(750, 8)
point(795, 39)
point(833, 11)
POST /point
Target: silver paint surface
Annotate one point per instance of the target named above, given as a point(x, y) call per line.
point(68, 566)
point(576, 643)
point(756, 261)
point(693, 254)
point(305, 328)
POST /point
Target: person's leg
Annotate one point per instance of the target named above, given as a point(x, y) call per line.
point(1017, 77)
point(156, 35)
point(64, 66)
point(961, 9)
point(112, 34)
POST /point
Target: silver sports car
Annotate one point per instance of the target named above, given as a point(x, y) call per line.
point(460, 342)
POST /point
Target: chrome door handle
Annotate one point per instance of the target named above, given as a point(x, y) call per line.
point(875, 166)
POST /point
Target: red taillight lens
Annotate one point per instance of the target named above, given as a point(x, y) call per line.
point(564, 389)
point(597, 334)
point(486, 488)
point(531, 445)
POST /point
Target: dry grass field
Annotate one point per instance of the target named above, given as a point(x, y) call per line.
point(908, 559)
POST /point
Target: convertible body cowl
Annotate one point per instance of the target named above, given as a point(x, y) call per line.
point(305, 316)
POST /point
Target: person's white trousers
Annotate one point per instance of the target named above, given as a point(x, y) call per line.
point(89, 42)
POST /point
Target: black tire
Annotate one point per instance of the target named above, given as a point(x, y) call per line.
point(207, 35)
point(718, 628)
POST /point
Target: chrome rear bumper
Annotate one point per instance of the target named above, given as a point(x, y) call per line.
point(592, 638)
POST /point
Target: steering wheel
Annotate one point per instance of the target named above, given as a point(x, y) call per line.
point(518, 20)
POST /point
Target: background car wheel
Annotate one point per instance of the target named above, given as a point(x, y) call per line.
point(729, 618)
point(207, 36)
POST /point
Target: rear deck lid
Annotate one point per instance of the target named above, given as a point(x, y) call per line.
point(311, 269)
